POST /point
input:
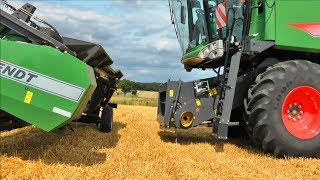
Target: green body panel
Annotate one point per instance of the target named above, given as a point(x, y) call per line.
point(296, 11)
point(262, 25)
point(273, 24)
point(10, 35)
point(270, 32)
point(49, 62)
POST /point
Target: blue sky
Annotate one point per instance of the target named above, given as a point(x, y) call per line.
point(137, 34)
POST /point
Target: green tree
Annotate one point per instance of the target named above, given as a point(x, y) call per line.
point(125, 85)
point(134, 92)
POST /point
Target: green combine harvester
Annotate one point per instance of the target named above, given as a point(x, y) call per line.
point(47, 80)
point(266, 54)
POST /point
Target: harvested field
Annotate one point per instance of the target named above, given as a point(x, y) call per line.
point(148, 94)
point(134, 100)
point(138, 149)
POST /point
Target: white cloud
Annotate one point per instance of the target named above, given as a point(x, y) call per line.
point(138, 35)
point(165, 44)
point(144, 71)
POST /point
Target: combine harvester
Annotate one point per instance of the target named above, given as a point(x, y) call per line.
point(269, 54)
point(47, 80)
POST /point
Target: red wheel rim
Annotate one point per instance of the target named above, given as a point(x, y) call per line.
point(301, 112)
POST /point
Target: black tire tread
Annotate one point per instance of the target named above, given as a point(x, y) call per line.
point(259, 97)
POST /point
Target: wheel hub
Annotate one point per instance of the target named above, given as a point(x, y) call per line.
point(186, 119)
point(301, 112)
point(294, 112)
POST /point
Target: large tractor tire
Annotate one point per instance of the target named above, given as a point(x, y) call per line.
point(284, 109)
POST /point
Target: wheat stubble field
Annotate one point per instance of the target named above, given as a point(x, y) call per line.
point(138, 149)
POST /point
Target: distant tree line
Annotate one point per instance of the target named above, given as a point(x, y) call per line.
point(127, 86)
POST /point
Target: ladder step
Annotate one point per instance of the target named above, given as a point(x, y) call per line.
point(230, 123)
point(233, 124)
point(231, 76)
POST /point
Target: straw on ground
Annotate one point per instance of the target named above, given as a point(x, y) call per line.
point(137, 148)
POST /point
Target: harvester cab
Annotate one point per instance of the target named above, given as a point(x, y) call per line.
point(260, 87)
point(202, 31)
point(48, 80)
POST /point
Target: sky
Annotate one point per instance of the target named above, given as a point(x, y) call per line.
point(137, 34)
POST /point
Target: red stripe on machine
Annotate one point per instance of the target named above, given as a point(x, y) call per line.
point(218, 24)
point(221, 15)
point(311, 28)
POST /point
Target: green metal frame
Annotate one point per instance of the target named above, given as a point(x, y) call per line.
point(50, 62)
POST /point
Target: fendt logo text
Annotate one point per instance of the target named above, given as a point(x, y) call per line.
point(16, 73)
point(40, 81)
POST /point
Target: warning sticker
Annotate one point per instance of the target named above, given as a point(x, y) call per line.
point(198, 102)
point(213, 92)
point(28, 97)
point(171, 93)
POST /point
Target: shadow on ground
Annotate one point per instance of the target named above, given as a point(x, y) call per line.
point(85, 146)
point(203, 135)
point(184, 137)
